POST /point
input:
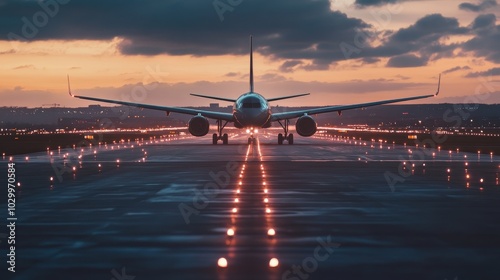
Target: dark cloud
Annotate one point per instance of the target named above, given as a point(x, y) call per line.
point(288, 66)
point(483, 5)
point(422, 39)
point(370, 60)
point(490, 72)
point(365, 3)
point(486, 42)
point(295, 29)
point(456, 68)
point(406, 60)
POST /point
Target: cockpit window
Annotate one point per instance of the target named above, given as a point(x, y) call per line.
point(251, 104)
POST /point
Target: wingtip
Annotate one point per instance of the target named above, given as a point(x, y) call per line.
point(439, 85)
point(69, 88)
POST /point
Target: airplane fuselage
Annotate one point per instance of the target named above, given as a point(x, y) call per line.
point(251, 110)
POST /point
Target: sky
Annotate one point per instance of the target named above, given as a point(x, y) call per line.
point(159, 51)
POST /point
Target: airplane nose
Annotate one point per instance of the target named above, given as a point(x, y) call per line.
point(252, 117)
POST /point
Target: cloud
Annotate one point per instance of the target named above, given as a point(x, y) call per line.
point(418, 43)
point(484, 21)
point(486, 41)
point(456, 68)
point(483, 5)
point(490, 72)
point(232, 74)
point(11, 51)
point(406, 60)
point(305, 29)
point(28, 66)
point(288, 66)
point(365, 3)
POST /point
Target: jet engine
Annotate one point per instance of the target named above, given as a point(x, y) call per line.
point(198, 126)
point(306, 126)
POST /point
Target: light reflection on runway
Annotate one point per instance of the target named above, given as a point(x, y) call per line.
point(251, 227)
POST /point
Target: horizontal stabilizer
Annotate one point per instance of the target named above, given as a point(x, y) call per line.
point(286, 97)
point(214, 97)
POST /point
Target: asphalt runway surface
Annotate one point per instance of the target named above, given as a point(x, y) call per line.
point(340, 209)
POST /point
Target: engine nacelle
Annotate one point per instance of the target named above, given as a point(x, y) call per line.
point(306, 126)
point(198, 126)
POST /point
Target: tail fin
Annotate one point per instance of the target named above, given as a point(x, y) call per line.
point(251, 64)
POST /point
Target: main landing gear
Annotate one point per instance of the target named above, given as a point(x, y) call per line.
point(216, 137)
point(286, 137)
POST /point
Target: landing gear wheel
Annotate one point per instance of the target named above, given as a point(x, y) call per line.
point(250, 140)
point(225, 139)
point(215, 138)
point(280, 139)
point(290, 139)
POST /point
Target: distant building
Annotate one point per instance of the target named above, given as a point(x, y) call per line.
point(214, 105)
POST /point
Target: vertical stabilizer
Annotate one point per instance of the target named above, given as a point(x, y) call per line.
point(251, 65)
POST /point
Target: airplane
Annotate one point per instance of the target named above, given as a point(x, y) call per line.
point(251, 111)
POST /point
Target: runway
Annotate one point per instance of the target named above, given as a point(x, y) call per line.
point(340, 209)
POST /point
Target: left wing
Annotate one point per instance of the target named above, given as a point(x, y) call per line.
point(209, 114)
point(296, 114)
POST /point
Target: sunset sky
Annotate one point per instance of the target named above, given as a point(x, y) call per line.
point(159, 51)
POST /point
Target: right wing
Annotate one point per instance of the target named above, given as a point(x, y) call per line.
point(340, 108)
point(286, 97)
point(209, 114)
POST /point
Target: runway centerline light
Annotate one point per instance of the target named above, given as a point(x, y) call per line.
point(271, 232)
point(235, 210)
point(266, 200)
point(268, 210)
point(236, 200)
point(273, 262)
point(222, 262)
point(230, 232)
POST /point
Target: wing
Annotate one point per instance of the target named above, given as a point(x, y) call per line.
point(321, 110)
point(214, 97)
point(286, 97)
point(188, 111)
